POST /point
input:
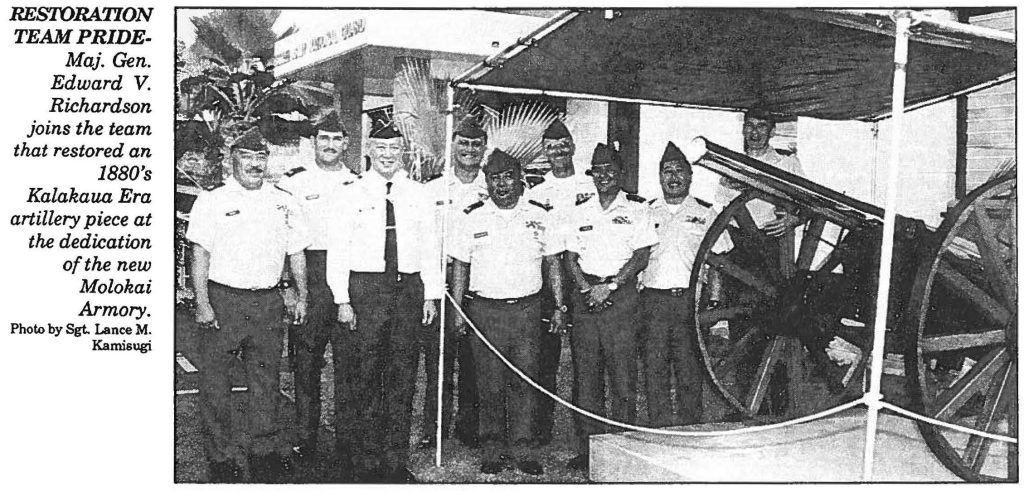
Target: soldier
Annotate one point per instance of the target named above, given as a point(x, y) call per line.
point(609, 240)
point(559, 190)
point(384, 268)
point(758, 128)
point(681, 222)
point(498, 248)
point(315, 187)
point(464, 186)
point(242, 232)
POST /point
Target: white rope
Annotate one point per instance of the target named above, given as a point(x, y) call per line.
point(659, 431)
point(962, 429)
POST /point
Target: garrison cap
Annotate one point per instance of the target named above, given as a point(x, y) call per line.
point(331, 123)
point(499, 161)
point(556, 130)
point(251, 140)
point(470, 127)
point(672, 153)
point(384, 130)
point(604, 154)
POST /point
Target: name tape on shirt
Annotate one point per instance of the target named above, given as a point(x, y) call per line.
point(479, 235)
point(586, 228)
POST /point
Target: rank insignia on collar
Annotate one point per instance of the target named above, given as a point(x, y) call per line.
point(534, 224)
point(621, 220)
point(232, 213)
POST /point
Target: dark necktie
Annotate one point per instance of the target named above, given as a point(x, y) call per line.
point(390, 238)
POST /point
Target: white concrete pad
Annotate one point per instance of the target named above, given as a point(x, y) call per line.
point(826, 450)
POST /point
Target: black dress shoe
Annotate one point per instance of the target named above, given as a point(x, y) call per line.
point(401, 475)
point(531, 467)
point(272, 468)
point(492, 467)
point(426, 443)
point(579, 463)
point(224, 472)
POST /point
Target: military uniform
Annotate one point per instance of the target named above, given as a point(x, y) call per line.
point(384, 258)
point(670, 343)
point(605, 341)
point(504, 249)
point(451, 196)
point(559, 194)
point(315, 190)
point(248, 234)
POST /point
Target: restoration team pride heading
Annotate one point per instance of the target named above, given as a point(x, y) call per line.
point(80, 14)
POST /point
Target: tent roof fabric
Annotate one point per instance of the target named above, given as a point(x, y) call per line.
point(803, 62)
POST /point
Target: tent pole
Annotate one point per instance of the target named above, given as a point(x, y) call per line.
point(449, 127)
point(873, 398)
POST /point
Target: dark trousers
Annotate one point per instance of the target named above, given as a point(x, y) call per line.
point(251, 334)
point(507, 402)
point(306, 346)
point(670, 347)
point(605, 343)
point(375, 369)
point(453, 342)
point(547, 376)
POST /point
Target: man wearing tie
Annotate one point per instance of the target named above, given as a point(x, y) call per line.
point(384, 268)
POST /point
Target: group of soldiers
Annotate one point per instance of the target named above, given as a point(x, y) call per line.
point(356, 257)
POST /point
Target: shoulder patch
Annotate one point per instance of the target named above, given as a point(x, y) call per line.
point(533, 180)
point(636, 197)
point(703, 203)
point(469, 209)
point(582, 198)
point(541, 205)
point(295, 171)
point(283, 190)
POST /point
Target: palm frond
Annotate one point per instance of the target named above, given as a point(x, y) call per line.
point(517, 129)
point(420, 102)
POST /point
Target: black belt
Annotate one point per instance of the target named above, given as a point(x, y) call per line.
point(260, 291)
point(596, 280)
point(672, 292)
point(507, 301)
point(399, 278)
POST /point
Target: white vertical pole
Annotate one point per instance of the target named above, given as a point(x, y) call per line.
point(449, 127)
point(874, 396)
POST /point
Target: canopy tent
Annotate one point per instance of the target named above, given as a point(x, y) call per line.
point(820, 63)
point(825, 64)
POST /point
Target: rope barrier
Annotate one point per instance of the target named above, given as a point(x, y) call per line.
point(752, 429)
point(627, 426)
point(951, 426)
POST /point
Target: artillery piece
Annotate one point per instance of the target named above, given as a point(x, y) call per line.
point(785, 325)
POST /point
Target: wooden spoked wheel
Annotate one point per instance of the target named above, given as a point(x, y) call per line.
point(962, 344)
point(767, 310)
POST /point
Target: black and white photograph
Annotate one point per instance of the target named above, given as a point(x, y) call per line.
point(594, 245)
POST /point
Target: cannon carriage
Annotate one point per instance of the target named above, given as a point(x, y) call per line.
point(785, 324)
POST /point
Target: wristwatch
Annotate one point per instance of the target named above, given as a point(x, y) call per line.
point(612, 286)
point(562, 308)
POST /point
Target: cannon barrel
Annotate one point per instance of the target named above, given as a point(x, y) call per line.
point(776, 182)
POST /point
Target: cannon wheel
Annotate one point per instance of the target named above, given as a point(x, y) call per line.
point(761, 374)
point(961, 362)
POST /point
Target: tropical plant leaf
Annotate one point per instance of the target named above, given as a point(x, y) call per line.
point(518, 128)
